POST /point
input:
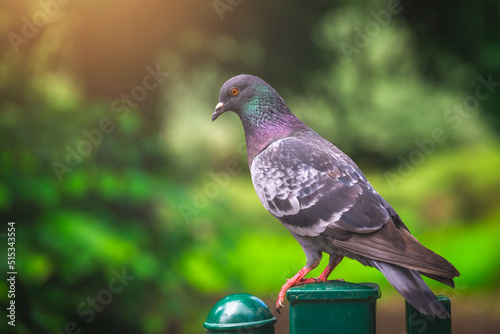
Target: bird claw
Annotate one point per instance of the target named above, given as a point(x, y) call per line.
point(308, 280)
point(279, 305)
point(337, 279)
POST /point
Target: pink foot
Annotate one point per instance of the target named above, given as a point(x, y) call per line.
point(299, 279)
point(289, 283)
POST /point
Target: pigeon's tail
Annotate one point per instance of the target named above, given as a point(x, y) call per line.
point(410, 285)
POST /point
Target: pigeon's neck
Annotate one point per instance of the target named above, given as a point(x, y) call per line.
point(268, 124)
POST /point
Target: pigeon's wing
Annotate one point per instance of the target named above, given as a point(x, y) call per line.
point(315, 190)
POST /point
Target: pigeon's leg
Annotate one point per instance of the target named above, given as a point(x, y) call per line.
point(310, 265)
point(332, 263)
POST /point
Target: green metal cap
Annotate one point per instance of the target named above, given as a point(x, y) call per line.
point(240, 311)
point(333, 290)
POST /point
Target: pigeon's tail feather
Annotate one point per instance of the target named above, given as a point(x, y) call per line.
point(445, 280)
point(410, 285)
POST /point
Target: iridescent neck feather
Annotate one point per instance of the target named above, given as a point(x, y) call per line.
point(265, 119)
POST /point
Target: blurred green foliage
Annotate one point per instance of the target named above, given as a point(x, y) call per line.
point(161, 196)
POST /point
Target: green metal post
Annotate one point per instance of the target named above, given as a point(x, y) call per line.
point(333, 307)
point(418, 323)
point(240, 313)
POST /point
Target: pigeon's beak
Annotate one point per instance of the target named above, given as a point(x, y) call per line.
point(219, 109)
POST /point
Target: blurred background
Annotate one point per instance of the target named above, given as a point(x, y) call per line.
point(135, 213)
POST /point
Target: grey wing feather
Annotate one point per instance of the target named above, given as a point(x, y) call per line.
point(313, 188)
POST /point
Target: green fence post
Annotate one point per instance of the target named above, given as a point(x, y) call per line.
point(418, 323)
point(333, 307)
point(240, 313)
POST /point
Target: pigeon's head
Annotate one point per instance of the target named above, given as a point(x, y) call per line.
point(245, 94)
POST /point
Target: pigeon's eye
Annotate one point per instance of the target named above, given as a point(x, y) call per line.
point(234, 91)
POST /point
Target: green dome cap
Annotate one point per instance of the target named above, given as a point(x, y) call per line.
point(239, 311)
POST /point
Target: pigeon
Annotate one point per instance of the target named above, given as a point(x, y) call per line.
point(321, 196)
